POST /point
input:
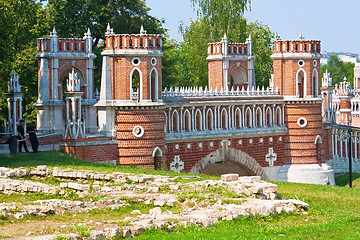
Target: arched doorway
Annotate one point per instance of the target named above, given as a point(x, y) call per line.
point(157, 155)
point(229, 160)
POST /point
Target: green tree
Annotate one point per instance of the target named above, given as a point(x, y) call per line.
point(221, 16)
point(21, 22)
point(199, 34)
point(339, 69)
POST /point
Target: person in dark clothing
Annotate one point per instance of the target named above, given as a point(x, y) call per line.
point(33, 138)
point(21, 135)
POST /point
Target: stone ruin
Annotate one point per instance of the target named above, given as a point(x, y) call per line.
point(250, 196)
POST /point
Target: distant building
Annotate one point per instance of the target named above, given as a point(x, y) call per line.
point(345, 57)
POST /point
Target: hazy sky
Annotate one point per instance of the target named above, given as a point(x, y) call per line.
point(335, 23)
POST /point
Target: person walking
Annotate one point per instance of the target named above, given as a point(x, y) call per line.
point(33, 138)
point(21, 136)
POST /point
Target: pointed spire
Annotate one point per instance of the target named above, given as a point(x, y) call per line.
point(54, 31)
point(224, 38)
point(88, 32)
point(109, 30)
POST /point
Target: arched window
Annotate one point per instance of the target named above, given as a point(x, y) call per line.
point(278, 117)
point(198, 120)
point(238, 118)
point(224, 119)
point(268, 117)
point(136, 84)
point(315, 83)
point(175, 122)
point(301, 83)
point(258, 117)
point(187, 121)
point(209, 119)
point(248, 118)
point(154, 89)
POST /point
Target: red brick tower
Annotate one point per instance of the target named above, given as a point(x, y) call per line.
point(296, 75)
point(231, 65)
point(130, 103)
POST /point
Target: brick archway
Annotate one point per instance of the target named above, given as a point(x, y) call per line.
point(226, 154)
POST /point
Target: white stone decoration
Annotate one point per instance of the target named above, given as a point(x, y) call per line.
point(189, 145)
point(153, 61)
point(301, 63)
point(280, 139)
point(136, 61)
point(240, 142)
point(302, 122)
point(271, 157)
point(177, 165)
point(177, 146)
point(261, 140)
point(250, 141)
point(271, 139)
point(315, 63)
point(73, 82)
point(211, 144)
point(138, 131)
point(200, 145)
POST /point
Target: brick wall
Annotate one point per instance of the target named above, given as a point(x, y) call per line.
point(87, 149)
point(257, 147)
point(139, 151)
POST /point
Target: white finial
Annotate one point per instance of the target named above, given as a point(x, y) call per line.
point(345, 79)
point(224, 38)
point(301, 37)
point(250, 38)
point(277, 37)
point(108, 27)
point(88, 32)
point(54, 31)
point(142, 31)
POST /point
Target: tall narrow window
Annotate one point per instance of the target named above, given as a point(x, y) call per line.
point(135, 85)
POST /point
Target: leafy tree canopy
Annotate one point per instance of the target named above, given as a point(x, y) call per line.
point(217, 17)
point(338, 70)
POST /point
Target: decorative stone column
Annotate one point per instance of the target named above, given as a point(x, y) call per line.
point(327, 105)
point(75, 125)
point(345, 94)
point(14, 98)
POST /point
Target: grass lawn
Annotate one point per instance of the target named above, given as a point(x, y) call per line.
point(334, 212)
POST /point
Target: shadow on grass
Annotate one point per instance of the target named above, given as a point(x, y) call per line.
point(342, 180)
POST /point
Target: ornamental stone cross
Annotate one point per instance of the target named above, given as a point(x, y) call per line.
point(271, 157)
point(177, 165)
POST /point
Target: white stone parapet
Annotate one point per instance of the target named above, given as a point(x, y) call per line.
point(200, 92)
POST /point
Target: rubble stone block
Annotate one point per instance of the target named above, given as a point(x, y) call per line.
point(97, 235)
point(229, 177)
